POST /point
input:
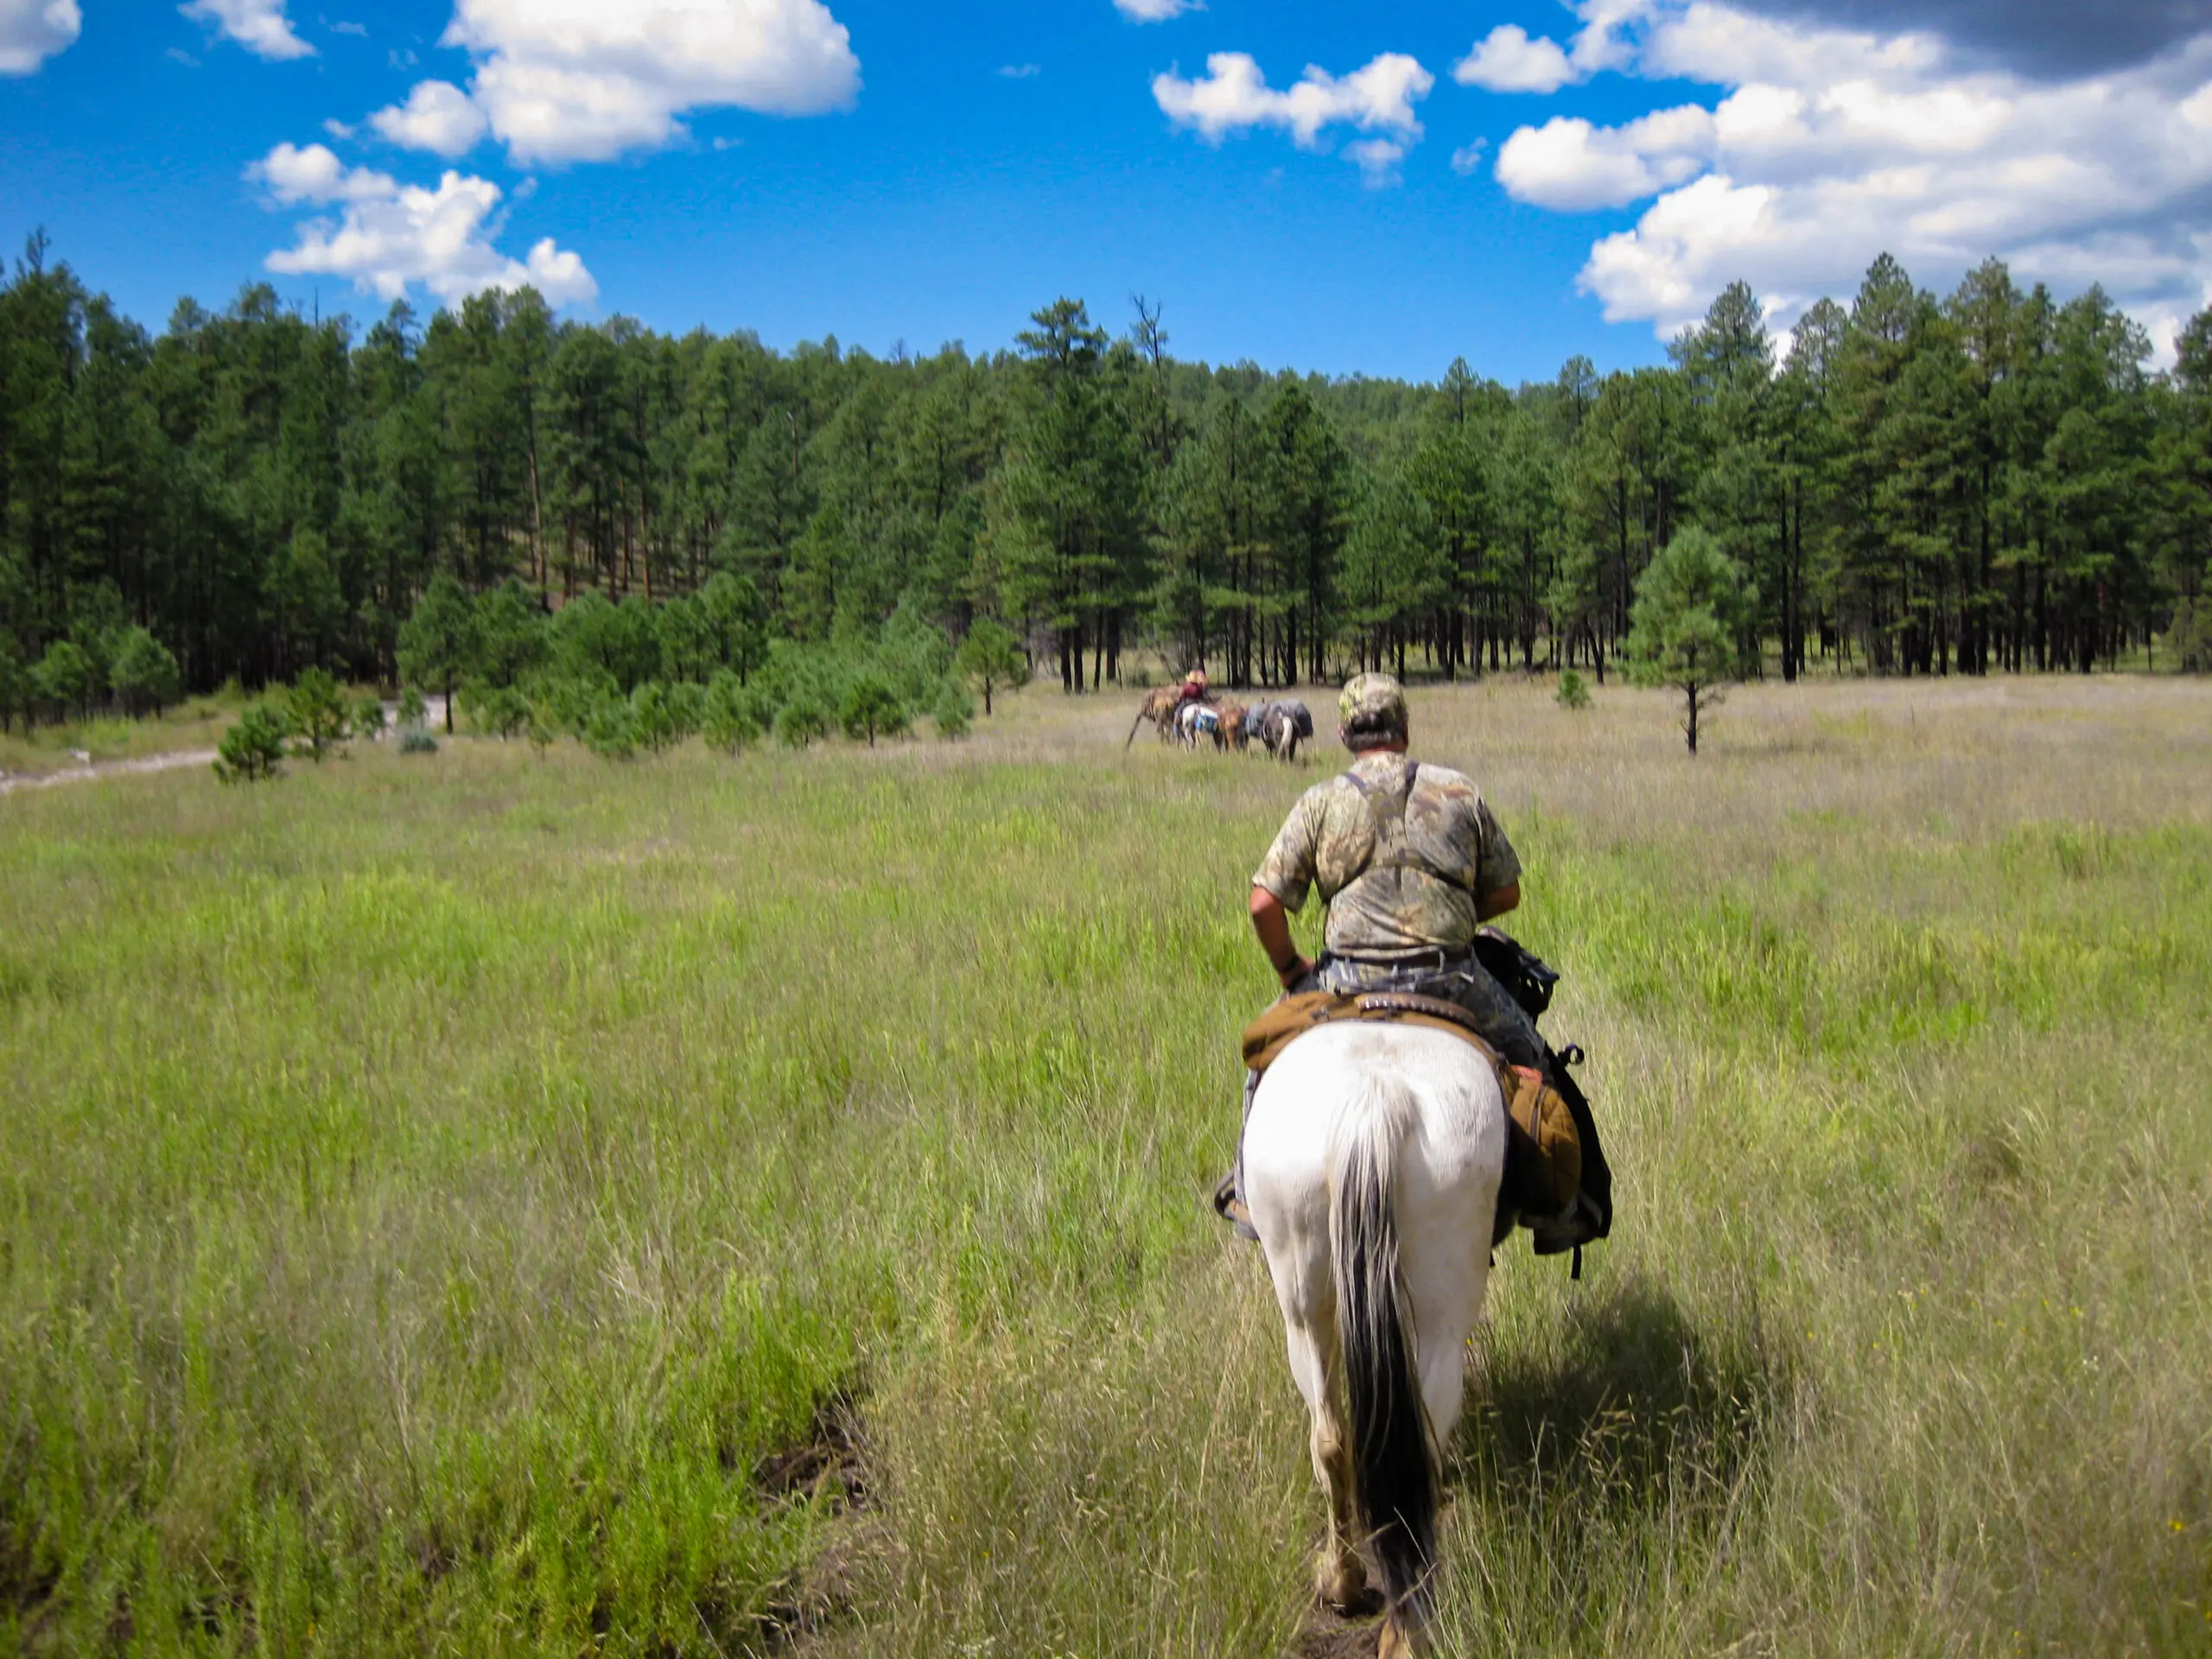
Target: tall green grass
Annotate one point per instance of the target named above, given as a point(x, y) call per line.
point(478, 1205)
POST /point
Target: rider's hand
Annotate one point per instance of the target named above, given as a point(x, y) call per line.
point(1298, 970)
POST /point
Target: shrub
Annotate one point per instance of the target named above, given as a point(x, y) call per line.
point(915, 657)
point(413, 711)
point(64, 676)
point(687, 706)
point(253, 749)
point(733, 714)
point(504, 713)
point(318, 711)
point(611, 730)
point(566, 702)
point(955, 710)
point(1573, 689)
point(653, 717)
point(368, 719)
point(143, 672)
point(804, 720)
point(871, 707)
point(415, 741)
point(541, 732)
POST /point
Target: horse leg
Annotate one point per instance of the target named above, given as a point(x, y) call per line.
point(1339, 1576)
point(1444, 1256)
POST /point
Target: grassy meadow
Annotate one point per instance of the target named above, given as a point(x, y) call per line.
point(478, 1205)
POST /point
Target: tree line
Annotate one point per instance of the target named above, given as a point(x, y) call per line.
point(1913, 484)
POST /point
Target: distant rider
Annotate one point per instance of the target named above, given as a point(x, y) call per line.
point(1410, 862)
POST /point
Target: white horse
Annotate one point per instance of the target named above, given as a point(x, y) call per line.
point(1197, 723)
point(1372, 1159)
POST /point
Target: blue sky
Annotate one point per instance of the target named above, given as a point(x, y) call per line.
point(1513, 182)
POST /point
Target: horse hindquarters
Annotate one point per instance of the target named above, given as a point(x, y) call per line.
point(1371, 1161)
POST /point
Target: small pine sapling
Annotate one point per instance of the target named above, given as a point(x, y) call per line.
point(955, 710)
point(252, 751)
point(317, 708)
point(871, 707)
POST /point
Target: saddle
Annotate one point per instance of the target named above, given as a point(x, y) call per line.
point(1543, 1151)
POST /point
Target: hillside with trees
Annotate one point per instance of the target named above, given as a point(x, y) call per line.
point(1911, 484)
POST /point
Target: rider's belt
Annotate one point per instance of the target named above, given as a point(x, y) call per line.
point(1440, 959)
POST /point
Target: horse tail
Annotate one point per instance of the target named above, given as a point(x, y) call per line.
point(1133, 724)
point(1394, 1476)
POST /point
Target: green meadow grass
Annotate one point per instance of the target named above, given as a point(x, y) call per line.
point(475, 1204)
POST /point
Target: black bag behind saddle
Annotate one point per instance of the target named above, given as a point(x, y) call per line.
point(1528, 979)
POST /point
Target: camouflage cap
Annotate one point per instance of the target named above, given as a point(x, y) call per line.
point(1371, 703)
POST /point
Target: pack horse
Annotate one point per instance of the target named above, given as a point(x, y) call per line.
point(1199, 722)
point(1373, 1159)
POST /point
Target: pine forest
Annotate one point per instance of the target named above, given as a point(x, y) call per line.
point(490, 498)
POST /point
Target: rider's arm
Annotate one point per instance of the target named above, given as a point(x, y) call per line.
point(1271, 923)
point(1497, 902)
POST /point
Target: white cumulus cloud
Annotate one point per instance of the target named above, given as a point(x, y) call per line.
point(387, 237)
point(1234, 97)
point(438, 117)
point(1154, 11)
point(1507, 60)
point(292, 175)
point(1569, 164)
point(31, 31)
point(260, 26)
point(1828, 146)
point(569, 80)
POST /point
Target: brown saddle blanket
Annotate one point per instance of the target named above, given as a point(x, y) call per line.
point(1544, 1159)
point(1273, 1032)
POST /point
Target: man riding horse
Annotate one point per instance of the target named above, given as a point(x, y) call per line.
point(1411, 862)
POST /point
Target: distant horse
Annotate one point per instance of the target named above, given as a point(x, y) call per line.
point(1197, 723)
point(1160, 709)
point(1281, 725)
point(1236, 727)
point(1372, 1158)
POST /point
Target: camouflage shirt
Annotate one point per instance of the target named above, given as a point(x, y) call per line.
point(1402, 855)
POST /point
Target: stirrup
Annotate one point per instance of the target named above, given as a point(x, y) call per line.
point(1230, 1208)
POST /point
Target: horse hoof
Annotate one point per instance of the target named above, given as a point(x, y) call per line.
point(1363, 1602)
point(1350, 1596)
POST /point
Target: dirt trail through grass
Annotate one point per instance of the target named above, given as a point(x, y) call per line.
point(103, 769)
